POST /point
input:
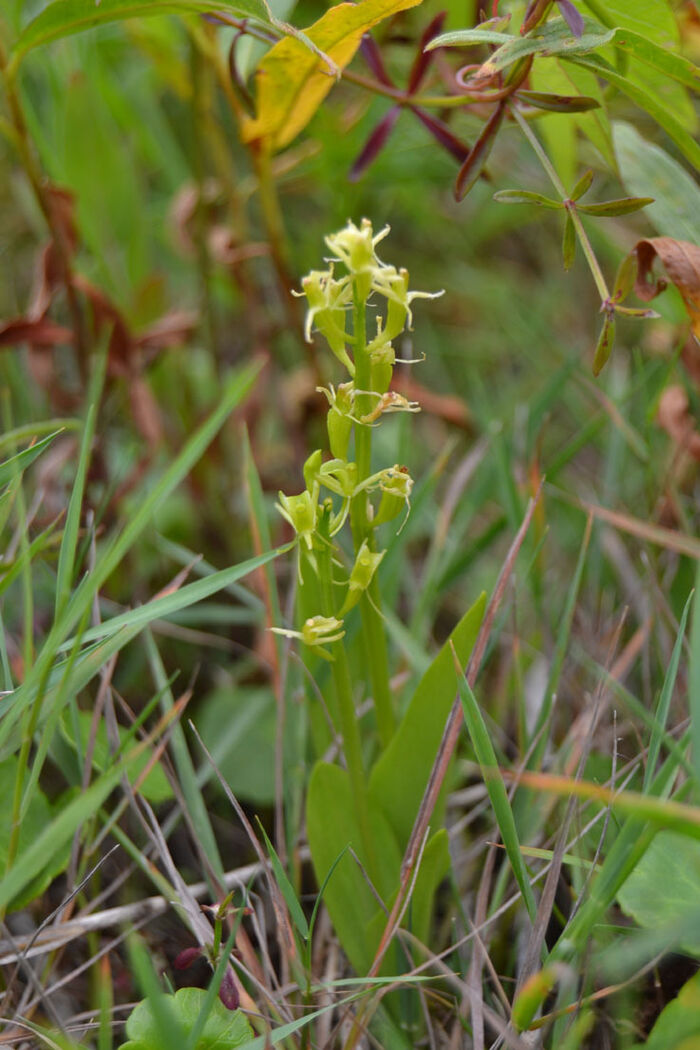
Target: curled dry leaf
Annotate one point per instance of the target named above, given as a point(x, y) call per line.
point(681, 260)
point(675, 418)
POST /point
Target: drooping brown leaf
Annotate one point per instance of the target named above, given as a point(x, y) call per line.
point(474, 164)
point(675, 418)
point(681, 260)
point(41, 333)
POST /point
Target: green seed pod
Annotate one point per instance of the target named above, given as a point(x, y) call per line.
point(339, 430)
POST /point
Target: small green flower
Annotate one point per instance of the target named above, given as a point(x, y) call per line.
point(328, 300)
point(366, 564)
point(316, 632)
point(300, 512)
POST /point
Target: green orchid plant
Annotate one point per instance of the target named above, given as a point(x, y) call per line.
point(357, 287)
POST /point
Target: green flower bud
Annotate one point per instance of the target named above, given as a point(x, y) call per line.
point(366, 564)
point(355, 248)
point(311, 472)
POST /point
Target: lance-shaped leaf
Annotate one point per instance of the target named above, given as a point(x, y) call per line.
point(624, 278)
point(568, 247)
point(552, 38)
point(559, 103)
point(582, 186)
point(572, 17)
point(374, 143)
point(605, 344)
point(292, 82)
point(526, 197)
point(442, 134)
point(424, 59)
point(624, 206)
point(468, 38)
point(369, 50)
point(682, 264)
point(479, 154)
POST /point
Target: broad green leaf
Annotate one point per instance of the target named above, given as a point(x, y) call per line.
point(399, 778)
point(670, 63)
point(64, 17)
point(155, 788)
point(331, 828)
point(678, 1025)
point(292, 82)
point(647, 100)
point(37, 816)
point(652, 18)
point(14, 466)
point(645, 168)
point(665, 885)
point(224, 1029)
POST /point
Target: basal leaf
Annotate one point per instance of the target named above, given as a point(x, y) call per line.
point(224, 1029)
point(292, 81)
point(64, 17)
point(665, 885)
point(332, 827)
point(678, 1025)
point(400, 775)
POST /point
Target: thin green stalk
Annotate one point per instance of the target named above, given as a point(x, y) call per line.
point(349, 726)
point(370, 603)
point(586, 247)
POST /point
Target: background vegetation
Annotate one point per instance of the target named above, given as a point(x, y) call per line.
point(159, 205)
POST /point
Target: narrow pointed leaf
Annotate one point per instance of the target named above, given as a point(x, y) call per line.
point(478, 155)
point(468, 38)
point(526, 197)
point(14, 466)
point(424, 58)
point(582, 186)
point(572, 17)
point(569, 243)
point(442, 134)
point(559, 103)
point(624, 278)
point(369, 49)
point(486, 757)
point(624, 206)
point(605, 345)
point(374, 143)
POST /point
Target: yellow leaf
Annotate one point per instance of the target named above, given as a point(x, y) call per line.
point(292, 81)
